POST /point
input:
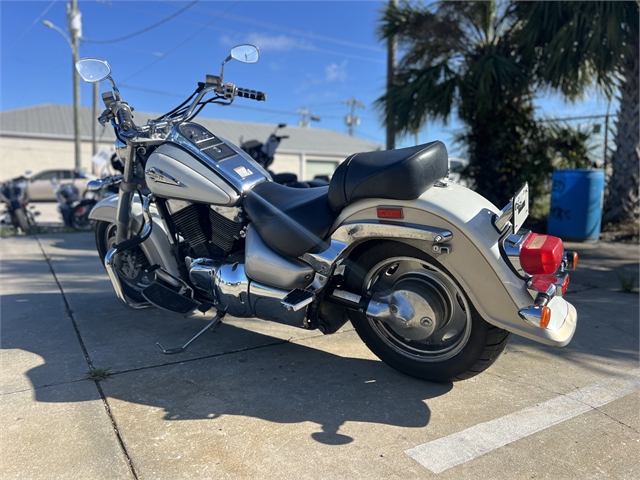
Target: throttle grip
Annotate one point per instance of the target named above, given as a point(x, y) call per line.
point(124, 118)
point(252, 94)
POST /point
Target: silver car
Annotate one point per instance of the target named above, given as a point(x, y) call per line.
point(40, 185)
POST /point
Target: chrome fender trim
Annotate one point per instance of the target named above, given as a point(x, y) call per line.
point(353, 233)
point(156, 247)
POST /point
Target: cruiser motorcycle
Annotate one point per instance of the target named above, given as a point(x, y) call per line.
point(264, 154)
point(433, 277)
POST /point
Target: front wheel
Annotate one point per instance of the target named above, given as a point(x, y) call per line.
point(431, 330)
point(134, 269)
point(79, 216)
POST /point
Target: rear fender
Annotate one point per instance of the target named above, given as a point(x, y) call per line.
point(156, 247)
point(474, 257)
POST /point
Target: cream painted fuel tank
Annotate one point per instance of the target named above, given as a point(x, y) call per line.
point(195, 165)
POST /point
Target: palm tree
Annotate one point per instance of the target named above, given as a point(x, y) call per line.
point(573, 45)
point(462, 55)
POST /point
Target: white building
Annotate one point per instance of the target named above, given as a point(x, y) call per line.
point(41, 137)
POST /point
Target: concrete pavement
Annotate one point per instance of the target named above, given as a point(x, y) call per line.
point(260, 400)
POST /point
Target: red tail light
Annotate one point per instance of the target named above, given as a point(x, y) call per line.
point(541, 254)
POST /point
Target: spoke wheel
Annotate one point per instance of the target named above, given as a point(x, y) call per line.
point(430, 330)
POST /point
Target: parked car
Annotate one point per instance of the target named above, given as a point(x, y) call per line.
point(456, 165)
point(39, 186)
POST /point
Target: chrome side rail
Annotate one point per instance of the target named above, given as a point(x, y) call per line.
point(351, 233)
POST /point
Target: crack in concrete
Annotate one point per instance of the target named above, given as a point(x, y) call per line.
point(215, 355)
point(105, 403)
point(523, 383)
point(615, 419)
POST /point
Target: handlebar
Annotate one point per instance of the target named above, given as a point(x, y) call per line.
point(124, 117)
point(252, 94)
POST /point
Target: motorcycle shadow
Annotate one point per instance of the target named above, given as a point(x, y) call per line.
point(326, 381)
point(286, 383)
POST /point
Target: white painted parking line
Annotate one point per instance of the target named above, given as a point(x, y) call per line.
point(444, 453)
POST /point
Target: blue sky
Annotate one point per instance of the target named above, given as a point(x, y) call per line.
point(313, 55)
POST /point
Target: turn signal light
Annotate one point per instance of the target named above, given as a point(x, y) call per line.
point(572, 260)
point(545, 317)
point(541, 254)
point(390, 212)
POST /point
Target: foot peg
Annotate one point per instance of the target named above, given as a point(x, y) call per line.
point(297, 299)
point(165, 298)
point(212, 324)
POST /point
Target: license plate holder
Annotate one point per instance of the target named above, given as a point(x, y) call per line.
point(520, 207)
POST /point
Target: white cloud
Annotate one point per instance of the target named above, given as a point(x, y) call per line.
point(266, 42)
point(335, 72)
point(278, 43)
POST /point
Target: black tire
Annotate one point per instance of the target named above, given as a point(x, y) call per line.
point(21, 221)
point(132, 275)
point(454, 345)
point(79, 216)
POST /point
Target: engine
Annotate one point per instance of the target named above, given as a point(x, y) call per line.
point(210, 231)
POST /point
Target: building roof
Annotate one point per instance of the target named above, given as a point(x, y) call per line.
point(56, 122)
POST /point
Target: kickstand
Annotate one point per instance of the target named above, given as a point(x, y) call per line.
point(181, 349)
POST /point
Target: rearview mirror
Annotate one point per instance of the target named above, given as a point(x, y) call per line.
point(245, 53)
point(93, 69)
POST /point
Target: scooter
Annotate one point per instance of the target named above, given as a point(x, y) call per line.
point(264, 154)
point(433, 277)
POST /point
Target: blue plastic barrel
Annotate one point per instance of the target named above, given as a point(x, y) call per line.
point(576, 204)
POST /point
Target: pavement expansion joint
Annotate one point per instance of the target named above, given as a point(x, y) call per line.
point(105, 402)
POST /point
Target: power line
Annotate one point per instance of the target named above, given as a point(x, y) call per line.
point(584, 117)
point(29, 28)
point(301, 46)
point(291, 31)
point(188, 39)
point(139, 32)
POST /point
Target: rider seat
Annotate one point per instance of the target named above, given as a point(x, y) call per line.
point(294, 221)
point(402, 174)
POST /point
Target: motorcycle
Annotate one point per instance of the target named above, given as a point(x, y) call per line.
point(433, 277)
point(68, 198)
point(264, 153)
point(14, 194)
point(97, 191)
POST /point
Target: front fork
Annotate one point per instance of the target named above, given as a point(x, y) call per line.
point(125, 197)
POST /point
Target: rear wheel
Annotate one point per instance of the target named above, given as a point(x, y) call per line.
point(133, 273)
point(21, 220)
point(431, 329)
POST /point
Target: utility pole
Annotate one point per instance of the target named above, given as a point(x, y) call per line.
point(74, 25)
point(351, 118)
point(392, 45)
point(306, 117)
point(94, 123)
